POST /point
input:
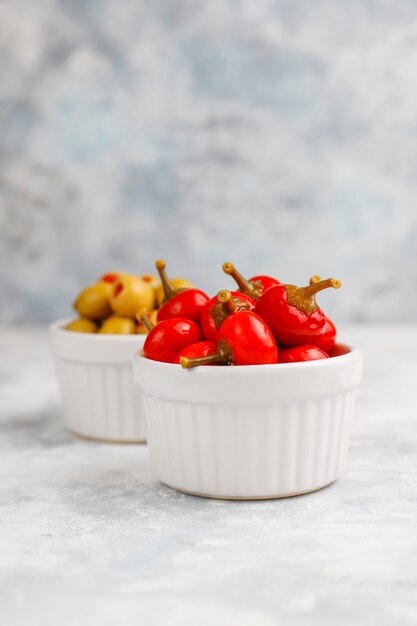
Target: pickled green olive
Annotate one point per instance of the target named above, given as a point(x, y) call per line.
point(129, 294)
point(94, 301)
point(151, 279)
point(116, 325)
point(82, 325)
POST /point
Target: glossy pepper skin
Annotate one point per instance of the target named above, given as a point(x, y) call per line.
point(215, 312)
point(188, 303)
point(169, 337)
point(245, 340)
point(301, 353)
point(292, 313)
point(253, 287)
point(327, 339)
point(339, 349)
point(197, 350)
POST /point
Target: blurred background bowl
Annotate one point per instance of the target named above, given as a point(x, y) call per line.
point(95, 377)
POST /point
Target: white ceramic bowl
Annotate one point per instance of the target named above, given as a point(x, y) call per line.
point(95, 376)
point(250, 432)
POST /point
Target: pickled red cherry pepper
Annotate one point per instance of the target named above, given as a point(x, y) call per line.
point(327, 339)
point(339, 349)
point(188, 303)
point(215, 312)
point(245, 340)
point(301, 353)
point(169, 337)
point(255, 286)
point(292, 312)
point(195, 350)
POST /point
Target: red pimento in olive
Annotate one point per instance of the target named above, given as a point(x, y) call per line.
point(339, 349)
point(215, 312)
point(255, 286)
point(301, 353)
point(196, 350)
point(245, 340)
point(292, 312)
point(188, 303)
point(110, 277)
point(169, 337)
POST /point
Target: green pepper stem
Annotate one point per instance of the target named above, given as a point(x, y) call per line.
point(227, 302)
point(314, 288)
point(315, 279)
point(222, 356)
point(169, 289)
point(244, 285)
point(201, 360)
point(142, 316)
point(250, 288)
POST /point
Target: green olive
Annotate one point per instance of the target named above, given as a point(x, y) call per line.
point(129, 294)
point(82, 325)
point(94, 301)
point(116, 325)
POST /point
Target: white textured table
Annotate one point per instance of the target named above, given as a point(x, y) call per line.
point(89, 537)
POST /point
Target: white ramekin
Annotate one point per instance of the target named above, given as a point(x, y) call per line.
point(249, 432)
point(100, 400)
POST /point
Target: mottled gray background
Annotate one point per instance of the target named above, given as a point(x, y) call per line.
point(279, 134)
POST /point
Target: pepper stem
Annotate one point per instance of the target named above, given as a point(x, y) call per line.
point(315, 287)
point(142, 316)
point(315, 279)
point(202, 360)
point(227, 302)
point(222, 356)
point(245, 286)
point(169, 289)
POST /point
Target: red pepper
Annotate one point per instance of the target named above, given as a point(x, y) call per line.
point(339, 349)
point(215, 312)
point(301, 353)
point(255, 286)
point(292, 312)
point(188, 303)
point(245, 340)
point(169, 337)
point(196, 350)
point(327, 339)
